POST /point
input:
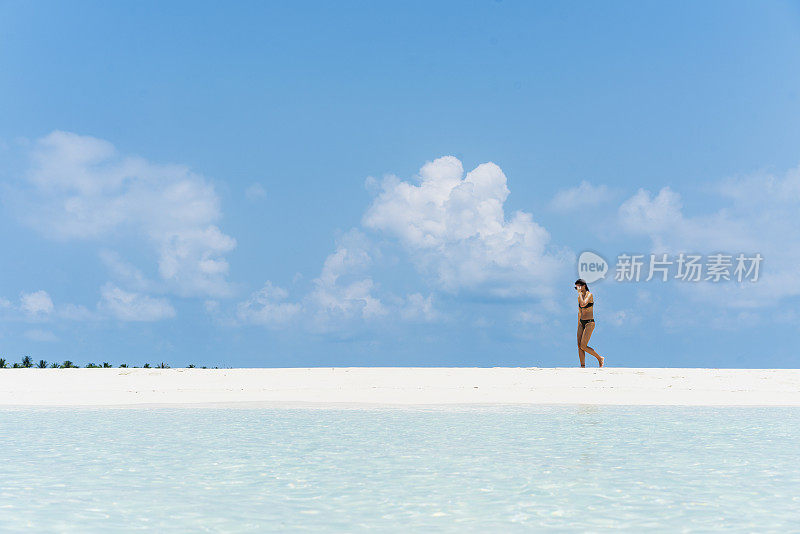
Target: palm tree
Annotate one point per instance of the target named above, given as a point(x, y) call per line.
point(16, 366)
point(3, 363)
point(106, 365)
point(146, 366)
point(92, 366)
point(191, 366)
point(27, 362)
point(42, 364)
point(123, 365)
point(162, 365)
point(54, 365)
point(67, 364)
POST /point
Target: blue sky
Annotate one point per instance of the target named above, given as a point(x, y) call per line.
point(303, 184)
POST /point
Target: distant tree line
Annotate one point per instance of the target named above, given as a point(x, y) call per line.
point(27, 362)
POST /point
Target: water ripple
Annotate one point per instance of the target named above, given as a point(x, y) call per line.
point(482, 469)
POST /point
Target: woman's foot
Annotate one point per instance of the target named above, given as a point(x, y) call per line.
point(601, 361)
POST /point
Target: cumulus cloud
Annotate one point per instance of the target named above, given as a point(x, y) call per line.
point(341, 289)
point(756, 214)
point(81, 187)
point(127, 306)
point(455, 230)
point(267, 307)
point(531, 318)
point(44, 336)
point(76, 312)
point(340, 294)
point(419, 308)
point(124, 271)
point(651, 213)
point(585, 194)
point(661, 218)
point(36, 304)
point(255, 192)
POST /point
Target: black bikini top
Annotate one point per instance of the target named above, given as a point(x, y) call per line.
point(587, 306)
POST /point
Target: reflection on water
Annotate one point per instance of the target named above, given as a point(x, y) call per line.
point(441, 469)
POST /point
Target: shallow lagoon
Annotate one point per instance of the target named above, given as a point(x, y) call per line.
point(453, 469)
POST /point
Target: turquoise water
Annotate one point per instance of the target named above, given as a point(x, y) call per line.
point(497, 469)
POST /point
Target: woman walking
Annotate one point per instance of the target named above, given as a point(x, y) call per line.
point(585, 322)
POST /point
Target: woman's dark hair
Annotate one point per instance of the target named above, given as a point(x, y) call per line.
point(582, 282)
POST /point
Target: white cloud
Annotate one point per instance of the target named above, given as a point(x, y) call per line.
point(341, 289)
point(531, 318)
point(267, 307)
point(76, 312)
point(623, 317)
point(127, 306)
point(255, 192)
point(124, 271)
point(482, 322)
point(193, 261)
point(419, 308)
point(579, 197)
point(82, 188)
point(352, 299)
point(211, 306)
point(756, 214)
point(36, 304)
point(652, 213)
point(455, 230)
point(339, 295)
point(661, 218)
point(41, 335)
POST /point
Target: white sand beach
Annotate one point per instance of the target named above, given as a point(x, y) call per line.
point(400, 386)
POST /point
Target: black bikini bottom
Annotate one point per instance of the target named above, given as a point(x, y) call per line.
point(584, 322)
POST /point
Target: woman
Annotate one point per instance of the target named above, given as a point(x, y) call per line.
point(585, 322)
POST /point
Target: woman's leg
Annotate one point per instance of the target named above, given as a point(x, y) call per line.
point(581, 354)
point(587, 335)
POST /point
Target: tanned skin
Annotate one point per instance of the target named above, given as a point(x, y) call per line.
point(585, 333)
